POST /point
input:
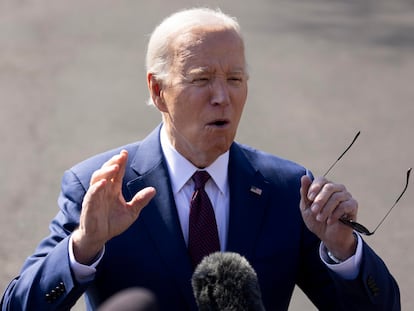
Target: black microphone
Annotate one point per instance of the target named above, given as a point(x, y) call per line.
point(226, 281)
point(131, 299)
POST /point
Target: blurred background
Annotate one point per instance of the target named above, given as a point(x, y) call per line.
point(72, 84)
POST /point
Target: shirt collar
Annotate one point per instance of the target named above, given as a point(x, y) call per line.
point(181, 169)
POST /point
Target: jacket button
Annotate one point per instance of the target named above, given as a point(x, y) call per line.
point(55, 293)
point(48, 298)
point(372, 285)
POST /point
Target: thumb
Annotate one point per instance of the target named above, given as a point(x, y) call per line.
point(305, 184)
point(142, 198)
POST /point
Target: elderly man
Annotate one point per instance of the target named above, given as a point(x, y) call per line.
point(103, 240)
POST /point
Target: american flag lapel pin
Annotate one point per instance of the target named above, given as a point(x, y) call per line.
point(256, 190)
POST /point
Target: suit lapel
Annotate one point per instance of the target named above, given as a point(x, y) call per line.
point(248, 194)
point(160, 216)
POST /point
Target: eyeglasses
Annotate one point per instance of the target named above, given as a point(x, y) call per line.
point(353, 224)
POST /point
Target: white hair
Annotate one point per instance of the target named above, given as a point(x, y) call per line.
point(158, 58)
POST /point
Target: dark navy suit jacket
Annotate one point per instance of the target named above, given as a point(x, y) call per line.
point(264, 226)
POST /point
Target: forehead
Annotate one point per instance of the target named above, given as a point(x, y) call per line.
point(208, 47)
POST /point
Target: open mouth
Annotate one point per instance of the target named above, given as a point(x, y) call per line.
point(219, 123)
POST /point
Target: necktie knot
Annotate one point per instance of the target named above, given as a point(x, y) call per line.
point(200, 178)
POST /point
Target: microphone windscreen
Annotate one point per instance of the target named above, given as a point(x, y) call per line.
point(131, 299)
point(226, 281)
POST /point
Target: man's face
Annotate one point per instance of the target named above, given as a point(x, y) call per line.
point(204, 96)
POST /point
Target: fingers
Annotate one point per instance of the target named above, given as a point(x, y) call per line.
point(112, 170)
point(304, 189)
point(93, 194)
point(120, 160)
point(328, 201)
point(142, 198)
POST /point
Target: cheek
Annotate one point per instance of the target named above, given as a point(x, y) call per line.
point(240, 102)
point(190, 106)
point(186, 115)
point(239, 94)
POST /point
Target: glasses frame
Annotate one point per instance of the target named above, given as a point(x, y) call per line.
point(352, 223)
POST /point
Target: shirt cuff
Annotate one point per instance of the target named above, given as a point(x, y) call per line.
point(83, 273)
point(348, 269)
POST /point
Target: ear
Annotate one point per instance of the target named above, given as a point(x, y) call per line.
point(155, 89)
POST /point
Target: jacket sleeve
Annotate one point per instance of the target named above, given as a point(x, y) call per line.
point(46, 281)
point(373, 289)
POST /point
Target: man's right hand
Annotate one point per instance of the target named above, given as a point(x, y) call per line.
point(105, 214)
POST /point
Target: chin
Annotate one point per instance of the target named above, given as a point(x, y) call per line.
point(219, 149)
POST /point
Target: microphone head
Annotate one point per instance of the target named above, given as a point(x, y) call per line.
point(131, 299)
point(226, 281)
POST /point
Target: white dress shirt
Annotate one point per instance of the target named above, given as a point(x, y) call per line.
point(217, 188)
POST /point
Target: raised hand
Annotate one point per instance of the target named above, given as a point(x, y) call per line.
point(105, 213)
point(322, 204)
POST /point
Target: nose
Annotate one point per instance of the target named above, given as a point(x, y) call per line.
point(220, 94)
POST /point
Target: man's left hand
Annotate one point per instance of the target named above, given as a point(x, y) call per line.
point(322, 204)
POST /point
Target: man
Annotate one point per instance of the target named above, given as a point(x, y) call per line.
point(267, 209)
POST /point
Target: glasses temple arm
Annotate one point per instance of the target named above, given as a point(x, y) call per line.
point(396, 201)
point(343, 153)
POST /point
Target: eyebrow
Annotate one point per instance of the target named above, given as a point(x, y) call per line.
point(198, 70)
point(203, 70)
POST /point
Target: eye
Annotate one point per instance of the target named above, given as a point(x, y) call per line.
point(201, 80)
point(235, 80)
